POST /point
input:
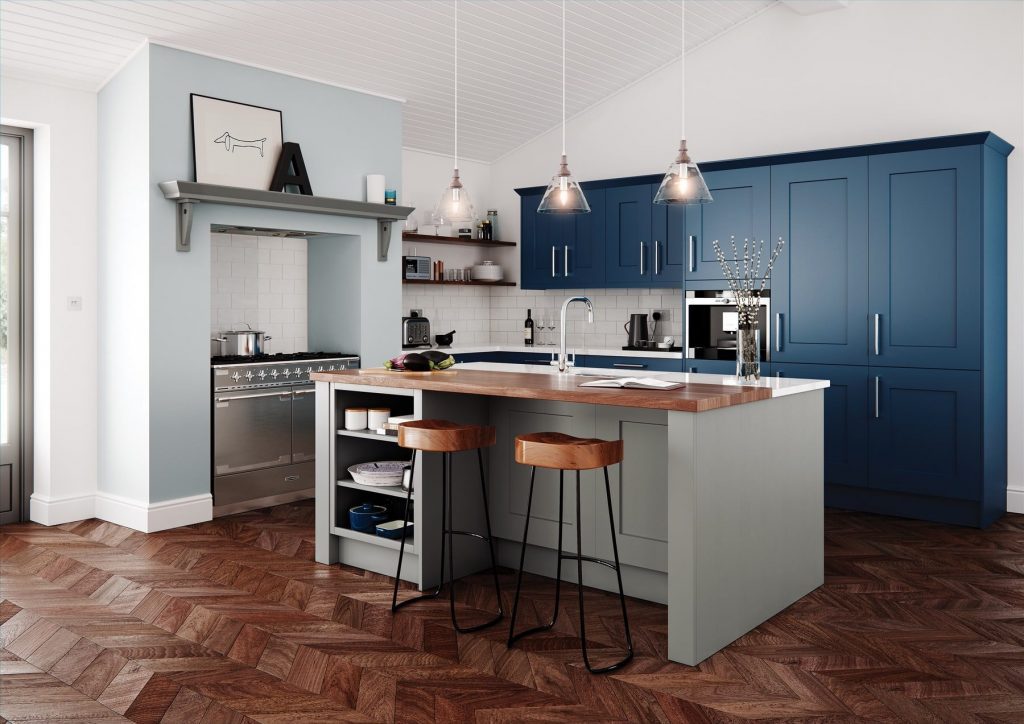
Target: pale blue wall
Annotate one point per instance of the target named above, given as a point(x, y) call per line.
point(344, 136)
point(123, 282)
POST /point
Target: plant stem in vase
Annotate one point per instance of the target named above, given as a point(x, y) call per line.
point(748, 352)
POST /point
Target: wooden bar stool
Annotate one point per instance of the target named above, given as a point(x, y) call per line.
point(446, 438)
point(561, 452)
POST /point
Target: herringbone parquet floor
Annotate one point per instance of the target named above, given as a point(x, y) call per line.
point(231, 621)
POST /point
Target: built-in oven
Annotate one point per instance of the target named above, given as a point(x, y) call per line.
point(711, 322)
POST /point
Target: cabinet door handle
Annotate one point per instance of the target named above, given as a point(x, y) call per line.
point(625, 366)
point(693, 253)
point(641, 258)
point(657, 261)
point(565, 266)
point(693, 370)
point(878, 319)
point(554, 255)
point(778, 332)
point(878, 383)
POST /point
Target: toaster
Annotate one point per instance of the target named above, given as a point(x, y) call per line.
point(415, 332)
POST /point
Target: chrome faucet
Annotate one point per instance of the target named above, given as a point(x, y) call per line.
point(563, 359)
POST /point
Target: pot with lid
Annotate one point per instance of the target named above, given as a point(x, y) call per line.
point(246, 342)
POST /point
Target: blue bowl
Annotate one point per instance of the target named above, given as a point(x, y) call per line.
point(364, 518)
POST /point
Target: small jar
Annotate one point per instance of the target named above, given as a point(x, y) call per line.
point(355, 418)
point(492, 217)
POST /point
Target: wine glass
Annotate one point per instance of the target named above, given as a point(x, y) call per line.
point(551, 324)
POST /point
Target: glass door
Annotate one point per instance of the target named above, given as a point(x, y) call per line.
point(13, 203)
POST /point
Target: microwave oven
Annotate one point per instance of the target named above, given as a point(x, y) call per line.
point(711, 324)
point(416, 267)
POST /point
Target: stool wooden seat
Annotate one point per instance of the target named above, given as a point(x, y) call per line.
point(444, 436)
point(559, 451)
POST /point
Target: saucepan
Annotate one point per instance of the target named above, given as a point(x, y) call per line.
point(245, 342)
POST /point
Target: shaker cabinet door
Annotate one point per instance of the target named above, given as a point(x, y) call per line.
point(510, 481)
point(670, 252)
point(583, 263)
point(846, 419)
point(925, 258)
point(639, 488)
point(819, 299)
point(741, 208)
point(629, 254)
point(926, 432)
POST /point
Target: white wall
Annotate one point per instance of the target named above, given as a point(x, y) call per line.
point(879, 70)
point(64, 123)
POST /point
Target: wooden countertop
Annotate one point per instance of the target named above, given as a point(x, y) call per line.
point(564, 388)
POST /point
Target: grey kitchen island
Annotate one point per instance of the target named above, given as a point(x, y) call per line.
point(718, 503)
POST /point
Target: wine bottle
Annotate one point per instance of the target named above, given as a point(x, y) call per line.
point(528, 329)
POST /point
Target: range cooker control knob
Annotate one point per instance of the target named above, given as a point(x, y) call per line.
point(287, 372)
point(320, 368)
point(262, 373)
point(309, 370)
point(273, 373)
point(248, 375)
point(236, 376)
point(298, 370)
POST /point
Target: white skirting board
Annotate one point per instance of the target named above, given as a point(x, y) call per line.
point(1015, 500)
point(145, 517)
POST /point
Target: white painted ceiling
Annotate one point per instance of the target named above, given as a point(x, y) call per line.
point(509, 82)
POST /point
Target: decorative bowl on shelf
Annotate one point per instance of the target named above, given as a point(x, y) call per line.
point(488, 271)
point(364, 518)
point(393, 529)
point(381, 474)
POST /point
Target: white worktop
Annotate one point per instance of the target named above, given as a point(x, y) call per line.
point(780, 386)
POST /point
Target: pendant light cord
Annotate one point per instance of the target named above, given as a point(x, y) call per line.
point(456, 158)
point(563, 77)
point(682, 69)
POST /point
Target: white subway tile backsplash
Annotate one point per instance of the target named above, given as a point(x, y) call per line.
point(248, 286)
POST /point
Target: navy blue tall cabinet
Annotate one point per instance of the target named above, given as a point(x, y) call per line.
point(892, 285)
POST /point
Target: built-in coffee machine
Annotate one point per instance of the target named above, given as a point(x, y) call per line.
point(712, 322)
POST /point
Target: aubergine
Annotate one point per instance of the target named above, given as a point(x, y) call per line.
point(439, 360)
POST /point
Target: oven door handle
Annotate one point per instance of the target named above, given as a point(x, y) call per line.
point(282, 395)
point(303, 392)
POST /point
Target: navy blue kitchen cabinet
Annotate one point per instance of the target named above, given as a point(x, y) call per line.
point(715, 366)
point(819, 297)
point(846, 419)
point(741, 208)
point(926, 258)
point(926, 428)
point(639, 364)
point(629, 248)
point(562, 251)
point(668, 229)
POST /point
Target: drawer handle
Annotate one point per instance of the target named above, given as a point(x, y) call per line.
point(290, 478)
point(626, 366)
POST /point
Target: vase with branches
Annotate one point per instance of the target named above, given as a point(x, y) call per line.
point(747, 281)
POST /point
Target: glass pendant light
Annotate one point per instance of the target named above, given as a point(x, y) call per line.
point(683, 182)
point(455, 207)
point(564, 195)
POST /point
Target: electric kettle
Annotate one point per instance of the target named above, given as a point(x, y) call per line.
point(636, 328)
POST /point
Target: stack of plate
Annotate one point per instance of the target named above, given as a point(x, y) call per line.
point(487, 271)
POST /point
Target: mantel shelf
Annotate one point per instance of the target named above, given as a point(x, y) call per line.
point(189, 193)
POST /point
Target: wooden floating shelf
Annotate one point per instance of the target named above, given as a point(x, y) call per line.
point(465, 284)
point(431, 239)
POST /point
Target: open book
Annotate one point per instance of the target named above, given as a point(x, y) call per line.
point(635, 383)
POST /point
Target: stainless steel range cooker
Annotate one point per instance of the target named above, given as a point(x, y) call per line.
point(263, 427)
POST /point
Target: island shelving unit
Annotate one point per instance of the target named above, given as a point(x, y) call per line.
point(336, 492)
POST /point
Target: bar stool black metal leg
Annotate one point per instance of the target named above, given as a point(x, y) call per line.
point(401, 549)
point(451, 562)
point(579, 567)
point(512, 635)
point(490, 537)
point(395, 604)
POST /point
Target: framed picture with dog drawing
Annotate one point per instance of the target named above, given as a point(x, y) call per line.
point(234, 144)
